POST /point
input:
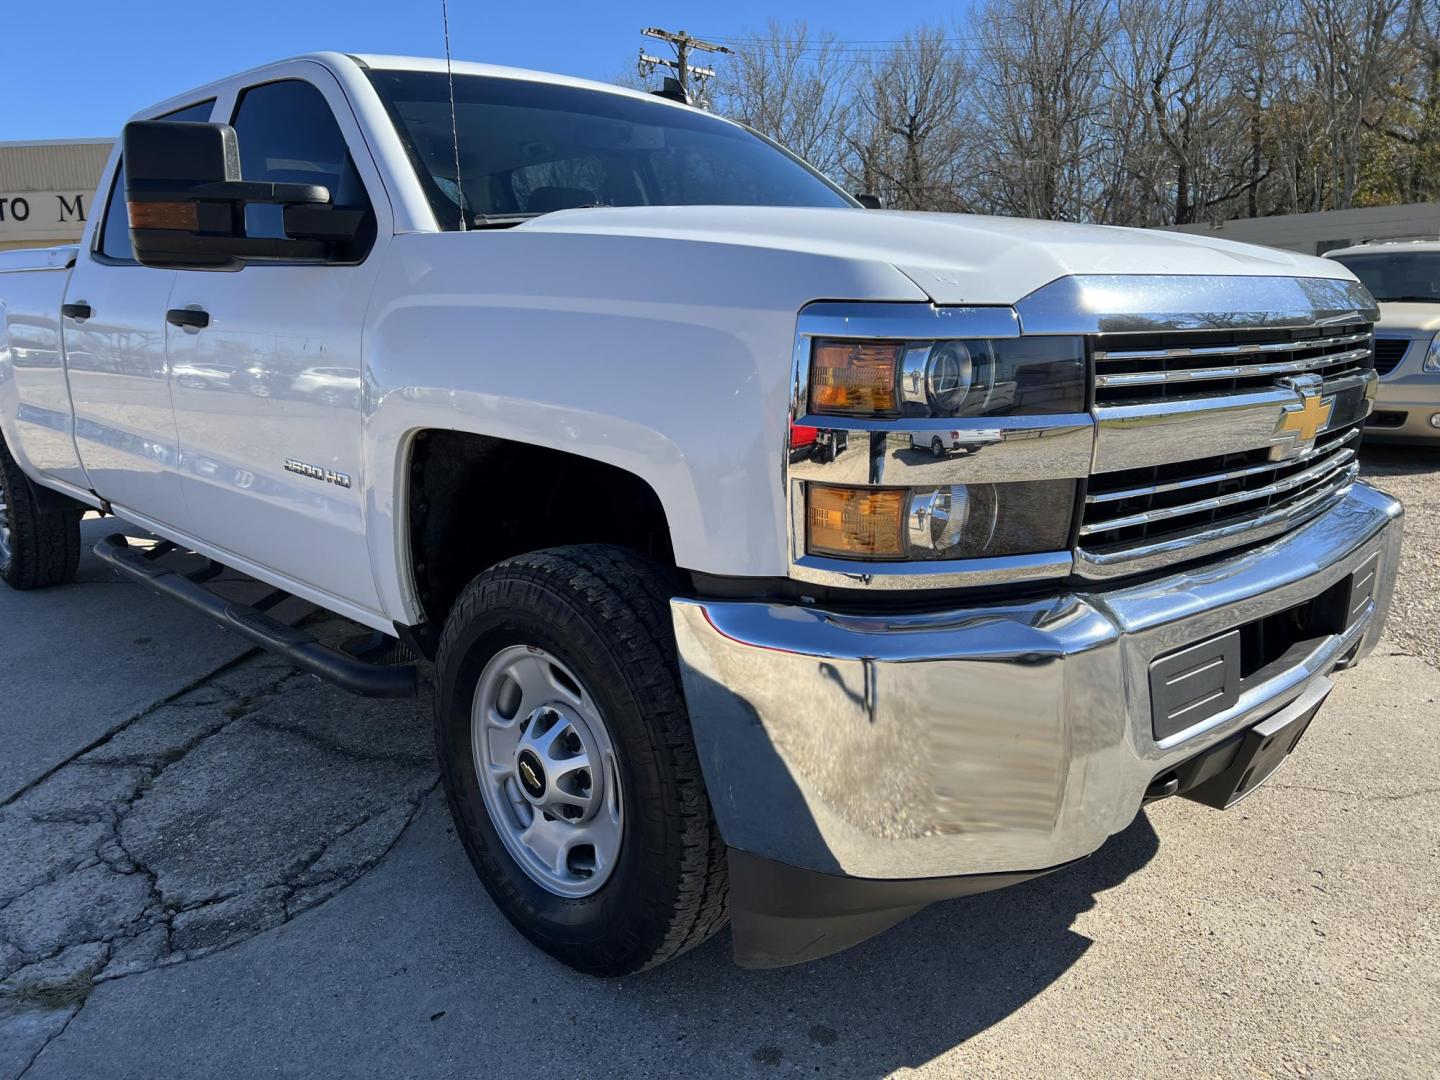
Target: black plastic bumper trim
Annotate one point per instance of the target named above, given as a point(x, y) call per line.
point(298, 646)
point(783, 915)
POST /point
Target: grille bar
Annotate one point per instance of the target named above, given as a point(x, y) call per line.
point(1314, 474)
point(1245, 371)
point(1233, 350)
point(1214, 478)
point(1133, 368)
point(1199, 542)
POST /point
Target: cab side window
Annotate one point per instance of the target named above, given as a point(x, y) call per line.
point(115, 229)
point(287, 134)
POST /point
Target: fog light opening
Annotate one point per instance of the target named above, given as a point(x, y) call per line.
point(1435, 420)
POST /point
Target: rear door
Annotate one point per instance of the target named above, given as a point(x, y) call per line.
point(268, 395)
point(114, 331)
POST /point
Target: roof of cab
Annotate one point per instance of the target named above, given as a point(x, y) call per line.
point(382, 62)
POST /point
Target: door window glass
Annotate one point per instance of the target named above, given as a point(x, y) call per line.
point(287, 134)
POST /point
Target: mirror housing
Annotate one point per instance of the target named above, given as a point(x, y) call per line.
point(186, 201)
point(869, 202)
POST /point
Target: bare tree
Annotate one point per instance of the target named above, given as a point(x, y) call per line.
point(909, 131)
point(1038, 98)
point(1137, 112)
point(1351, 45)
point(1402, 153)
point(1179, 70)
point(793, 87)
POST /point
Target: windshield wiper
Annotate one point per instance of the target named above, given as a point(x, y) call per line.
point(506, 221)
point(499, 221)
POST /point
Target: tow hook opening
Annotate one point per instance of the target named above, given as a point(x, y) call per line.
point(1163, 786)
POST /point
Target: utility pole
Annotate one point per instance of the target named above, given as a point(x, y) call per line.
point(686, 74)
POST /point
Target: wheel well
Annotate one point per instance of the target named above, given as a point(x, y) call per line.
point(474, 500)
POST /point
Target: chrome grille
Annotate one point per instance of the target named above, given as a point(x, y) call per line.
point(1389, 351)
point(1140, 508)
point(1157, 497)
point(1156, 366)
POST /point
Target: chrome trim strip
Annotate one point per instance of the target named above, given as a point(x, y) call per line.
point(907, 320)
point(1143, 303)
point(956, 573)
point(1099, 566)
point(1218, 502)
point(1022, 426)
point(1244, 371)
point(1215, 478)
point(1232, 350)
point(999, 450)
point(1169, 430)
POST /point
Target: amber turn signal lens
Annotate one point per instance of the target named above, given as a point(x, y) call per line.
point(855, 523)
point(164, 215)
point(854, 378)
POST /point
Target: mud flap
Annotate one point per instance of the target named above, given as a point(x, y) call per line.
point(782, 915)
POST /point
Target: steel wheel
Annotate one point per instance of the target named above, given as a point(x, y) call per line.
point(547, 771)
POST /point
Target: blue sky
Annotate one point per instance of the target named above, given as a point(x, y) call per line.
point(78, 69)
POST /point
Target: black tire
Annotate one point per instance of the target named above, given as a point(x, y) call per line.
point(604, 612)
point(937, 448)
point(44, 547)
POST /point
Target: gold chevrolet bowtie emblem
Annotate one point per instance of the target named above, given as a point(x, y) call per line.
point(1306, 419)
point(1301, 422)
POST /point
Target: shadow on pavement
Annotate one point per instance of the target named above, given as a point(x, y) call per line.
point(1399, 459)
point(919, 990)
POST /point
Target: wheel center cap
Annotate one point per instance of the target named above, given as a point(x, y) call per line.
point(531, 773)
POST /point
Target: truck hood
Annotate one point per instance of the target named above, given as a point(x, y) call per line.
point(1420, 317)
point(955, 258)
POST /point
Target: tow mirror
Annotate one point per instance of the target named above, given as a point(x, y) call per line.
point(870, 202)
point(187, 201)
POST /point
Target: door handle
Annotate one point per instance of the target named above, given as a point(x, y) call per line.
point(193, 318)
point(77, 311)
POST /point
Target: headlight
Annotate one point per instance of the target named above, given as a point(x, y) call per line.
point(950, 379)
point(956, 521)
point(1432, 358)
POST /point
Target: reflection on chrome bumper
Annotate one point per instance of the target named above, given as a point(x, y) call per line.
point(1004, 737)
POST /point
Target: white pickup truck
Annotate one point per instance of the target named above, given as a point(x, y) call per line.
point(519, 385)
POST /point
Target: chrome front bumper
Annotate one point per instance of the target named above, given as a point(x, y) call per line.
point(1418, 397)
point(1004, 737)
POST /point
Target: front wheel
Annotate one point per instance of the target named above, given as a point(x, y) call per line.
point(568, 761)
point(38, 547)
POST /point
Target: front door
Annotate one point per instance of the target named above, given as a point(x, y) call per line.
point(114, 332)
point(268, 391)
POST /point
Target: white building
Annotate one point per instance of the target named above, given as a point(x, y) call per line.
point(1315, 234)
point(46, 189)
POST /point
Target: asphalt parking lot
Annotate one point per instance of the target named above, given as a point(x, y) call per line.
point(210, 866)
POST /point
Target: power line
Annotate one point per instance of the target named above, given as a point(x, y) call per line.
point(686, 74)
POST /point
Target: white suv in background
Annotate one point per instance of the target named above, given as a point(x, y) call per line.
point(1404, 276)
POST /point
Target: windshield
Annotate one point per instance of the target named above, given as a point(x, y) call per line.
point(530, 147)
point(1398, 275)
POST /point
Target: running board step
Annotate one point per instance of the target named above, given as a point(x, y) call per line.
point(298, 646)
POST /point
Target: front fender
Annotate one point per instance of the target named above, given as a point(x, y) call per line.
point(668, 359)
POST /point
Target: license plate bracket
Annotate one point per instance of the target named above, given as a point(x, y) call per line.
point(1263, 749)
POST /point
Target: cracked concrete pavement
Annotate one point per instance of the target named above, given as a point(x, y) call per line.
point(252, 873)
point(227, 810)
